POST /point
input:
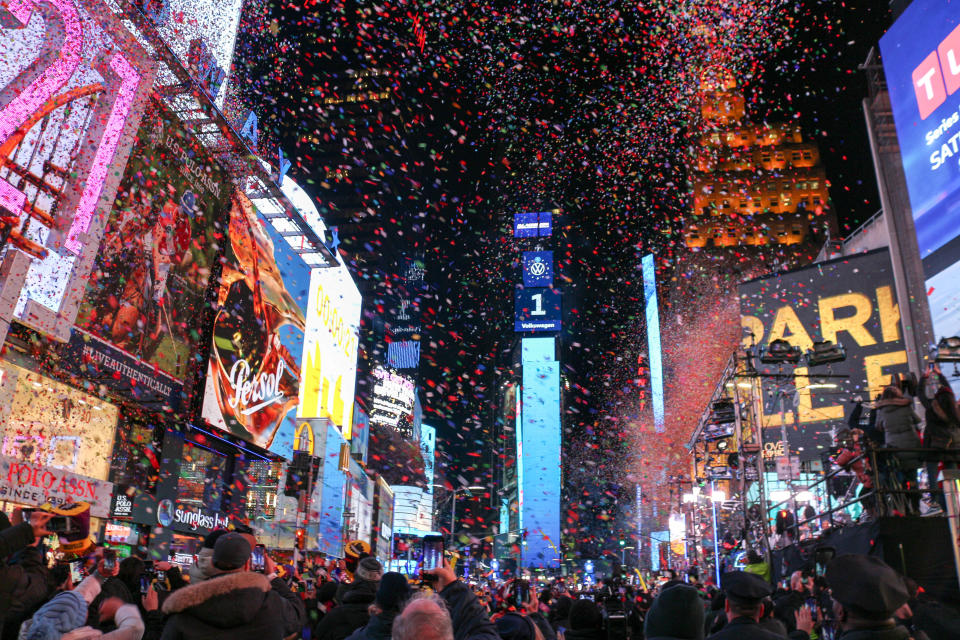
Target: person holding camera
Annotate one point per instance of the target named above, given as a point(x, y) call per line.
point(235, 603)
point(23, 585)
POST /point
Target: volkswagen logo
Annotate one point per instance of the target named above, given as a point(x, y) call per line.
point(538, 268)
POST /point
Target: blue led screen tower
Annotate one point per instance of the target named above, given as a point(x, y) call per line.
point(541, 442)
point(653, 340)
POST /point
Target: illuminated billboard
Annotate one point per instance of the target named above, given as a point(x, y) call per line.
point(533, 225)
point(850, 301)
point(920, 59)
point(73, 84)
point(538, 268)
point(330, 348)
point(393, 400)
point(253, 373)
point(146, 293)
point(536, 309)
point(652, 312)
point(539, 451)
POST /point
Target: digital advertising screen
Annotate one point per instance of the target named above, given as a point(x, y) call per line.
point(393, 400)
point(330, 347)
point(849, 301)
point(921, 61)
point(146, 293)
point(533, 225)
point(536, 309)
point(253, 374)
point(537, 268)
point(540, 442)
point(73, 84)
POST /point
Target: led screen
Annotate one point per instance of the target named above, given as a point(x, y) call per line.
point(536, 309)
point(253, 374)
point(393, 400)
point(541, 440)
point(146, 293)
point(850, 301)
point(533, 225)
point(330, 348)
point(653, 340)
point(538, 268)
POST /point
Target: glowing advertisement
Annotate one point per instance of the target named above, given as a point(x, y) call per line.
point(428, 447)
point(72, 87)
point(653, 339)
point(330, 348)
point(536, 309)
point(658, 538)
point(538, 268)
point(253, 374)
point(923, 75)
point(146, 293)
point(329, 497)
point(533, 225)
point(47, 424)
point(850, 301)
point(540, 452)
point(393, 399)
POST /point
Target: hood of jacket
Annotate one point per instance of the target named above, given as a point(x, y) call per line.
point(224, 601)
point(204, 568)
point(359, 592)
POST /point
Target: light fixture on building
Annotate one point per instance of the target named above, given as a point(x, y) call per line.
point(780, 352)
point(825, 352)
point(948, 350)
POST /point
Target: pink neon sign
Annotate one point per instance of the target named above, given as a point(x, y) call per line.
point(63, 25)
point(129, 81)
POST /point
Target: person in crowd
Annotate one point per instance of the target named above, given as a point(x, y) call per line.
point(637, 614)
point(788, 604)
point(942, 420)
point(769, 622)
point(24, 583)
point(523, 620)
point(744, 606)
point(755, 563)
point(584, 622)
point(559, 613)
point(676, 614)
point(392, 593)
point(326, 599)
point(453, 613)
point(235, 603)
point(202, 568)
point(867, 593)
point(850, 457)
point(351, 612)
point(899, 424)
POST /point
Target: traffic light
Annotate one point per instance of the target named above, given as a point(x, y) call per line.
point(623, 542)
point(301, 539)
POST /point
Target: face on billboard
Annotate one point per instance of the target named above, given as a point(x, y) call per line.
point(146, 292)
point(72, 86)
point(921, 59)
point(253, 374)
point(850, 301)
point(330, 348)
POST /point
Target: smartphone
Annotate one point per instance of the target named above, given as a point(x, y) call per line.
point(160, 575)
point(76, 571)
point(258, 559)
point(432, 552)
point(144, 584)
point(521, 591)
point(309, 584)
point(109, 559)
point(812, 605)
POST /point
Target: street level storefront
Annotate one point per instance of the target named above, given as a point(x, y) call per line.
point(55, 443)
point(177, 483)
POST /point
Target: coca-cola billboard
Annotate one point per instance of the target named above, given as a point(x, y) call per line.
point(253, 373)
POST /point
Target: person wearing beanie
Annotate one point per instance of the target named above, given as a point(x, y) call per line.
point(354, 600)
point(203, 567)
point(235, 603)
point(63, 613)
point(867, 593)
point(584, 622)
point(676, 614)
point(392, 594)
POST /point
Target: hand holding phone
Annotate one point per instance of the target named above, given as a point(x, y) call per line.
point(109, 560)
point(258, 559)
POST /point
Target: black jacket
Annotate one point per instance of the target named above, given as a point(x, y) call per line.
point(894, 633)
point(379, 628)
point(14, 580)
point(352, 614)
point(470, 619)
point(584, 634)
point(233, 606)
point(744, 628)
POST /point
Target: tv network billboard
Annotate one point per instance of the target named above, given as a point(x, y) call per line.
point(850, 301)
point(921, 58)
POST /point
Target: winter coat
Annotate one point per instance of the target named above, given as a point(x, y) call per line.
point(12, 539)
point(470, 619)
point(28, 582)
point(743, 628)
point(352, 614)
point(893, 633)
point(584, 634)
point(939, 433)
point(899, 423)
point(379, 628)
point(233, 606)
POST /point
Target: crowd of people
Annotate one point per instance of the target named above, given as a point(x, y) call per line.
point(235, 591)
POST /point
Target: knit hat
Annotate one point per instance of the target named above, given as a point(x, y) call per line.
point(584, 614)
point(677, 613)
point(62, 613)
point(231, 552)
point(513, 626)
point(393, 591)
point(212, 537)
point(369, 569)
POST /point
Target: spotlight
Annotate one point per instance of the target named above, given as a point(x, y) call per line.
point(780, 352)
point(722, 445)
point(948, 350)
point(825, 352)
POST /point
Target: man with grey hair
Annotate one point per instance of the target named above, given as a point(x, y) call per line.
point(453, 613)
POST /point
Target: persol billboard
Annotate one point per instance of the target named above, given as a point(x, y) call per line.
point(73, 83)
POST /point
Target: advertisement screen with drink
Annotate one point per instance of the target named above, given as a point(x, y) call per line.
point(252, 385)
